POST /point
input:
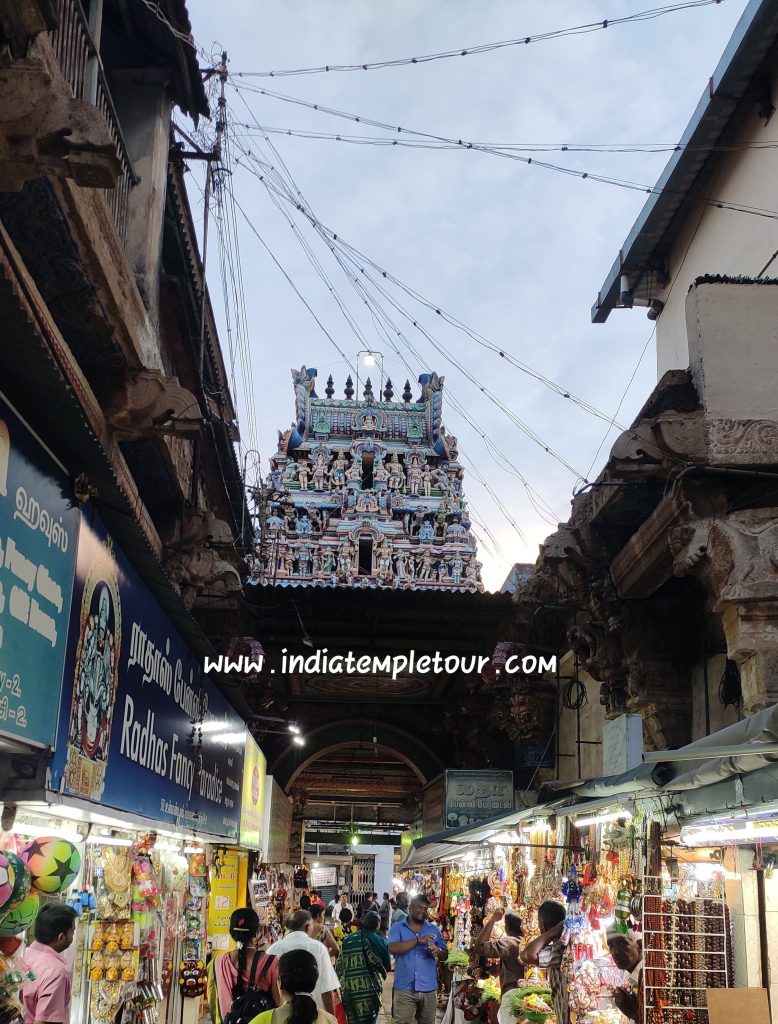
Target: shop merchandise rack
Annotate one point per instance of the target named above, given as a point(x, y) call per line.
point(686, 949)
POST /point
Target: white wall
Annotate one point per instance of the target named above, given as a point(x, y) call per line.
point(384, 866)
point(715, 241)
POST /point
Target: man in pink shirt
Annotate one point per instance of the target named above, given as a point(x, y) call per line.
point(47, 999)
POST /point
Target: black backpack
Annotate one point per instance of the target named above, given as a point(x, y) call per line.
point(255, 999)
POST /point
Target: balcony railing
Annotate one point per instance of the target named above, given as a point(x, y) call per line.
point(80, 63)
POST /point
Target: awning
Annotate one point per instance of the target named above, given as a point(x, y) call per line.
point(456, 843)
point(676, 775)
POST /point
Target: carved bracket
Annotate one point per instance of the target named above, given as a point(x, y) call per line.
point(149, 403)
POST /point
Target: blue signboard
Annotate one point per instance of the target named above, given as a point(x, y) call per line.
point(38, 537)
point(141, 729)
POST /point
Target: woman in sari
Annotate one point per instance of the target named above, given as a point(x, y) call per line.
point(362, 968)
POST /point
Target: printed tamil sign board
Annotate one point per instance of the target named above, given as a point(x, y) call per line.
point(473, 796)
point(38, 537)
point(141, 729)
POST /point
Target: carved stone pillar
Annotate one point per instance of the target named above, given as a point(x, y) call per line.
point(736, 558)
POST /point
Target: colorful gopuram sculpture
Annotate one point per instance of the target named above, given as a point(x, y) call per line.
point(365, 492)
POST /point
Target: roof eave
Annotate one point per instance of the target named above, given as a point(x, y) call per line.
point(754, 35)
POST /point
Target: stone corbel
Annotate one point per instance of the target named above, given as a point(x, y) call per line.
point(191, 572)
point(24, 20)
point(45, 130)
point(670, 542)
point(149, 403)
point(197, 527)
point(739, 569)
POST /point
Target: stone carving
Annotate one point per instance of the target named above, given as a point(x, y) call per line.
point(148, 403)
point(384, 561)
point(346, 559)
point(365, 478)
point(338, 472)
point(193, 571)
point(743, 441)
point(320, 472)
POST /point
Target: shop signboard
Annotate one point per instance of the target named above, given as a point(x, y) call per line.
point(223, 898)
point(141, 729)
point(432, 800)
point(38, 539)
point(477, 796)
point(321, 877)
point(253, 795)
point(277, 823)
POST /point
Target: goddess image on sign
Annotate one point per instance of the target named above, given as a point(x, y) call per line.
point(95, 680)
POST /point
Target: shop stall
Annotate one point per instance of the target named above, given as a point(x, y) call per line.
point(147, 779)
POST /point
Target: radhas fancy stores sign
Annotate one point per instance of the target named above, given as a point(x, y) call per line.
point(141, 729)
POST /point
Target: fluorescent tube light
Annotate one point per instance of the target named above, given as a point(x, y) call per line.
point(601, 819)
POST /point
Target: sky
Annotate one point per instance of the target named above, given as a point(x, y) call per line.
point(515, 252)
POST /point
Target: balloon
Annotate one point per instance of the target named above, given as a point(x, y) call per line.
point(54, 863)
point(21, 881)
point(7, 879)
point(20, 919)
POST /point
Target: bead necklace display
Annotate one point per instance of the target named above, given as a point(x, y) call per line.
point(686, 947)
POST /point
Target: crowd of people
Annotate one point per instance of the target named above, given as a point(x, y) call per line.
point(332, 963)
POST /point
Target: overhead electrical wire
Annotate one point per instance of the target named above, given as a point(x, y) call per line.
point(341, 305)
point(467, 51)
point(507, 411)
point(293, 195)
point(518, 147)
point(542, 507)
point(585, 175)
point(377, 311)
point(511, 415)
point(156, 10)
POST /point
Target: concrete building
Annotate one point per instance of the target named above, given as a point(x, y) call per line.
point(109, 349)
point(663, 584)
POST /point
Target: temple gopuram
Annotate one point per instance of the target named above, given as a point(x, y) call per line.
point(365, 492)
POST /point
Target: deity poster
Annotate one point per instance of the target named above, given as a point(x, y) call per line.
point(141, 730)
point(96, 676)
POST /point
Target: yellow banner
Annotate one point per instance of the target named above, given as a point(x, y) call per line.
point(223, 900)
point(253, 796)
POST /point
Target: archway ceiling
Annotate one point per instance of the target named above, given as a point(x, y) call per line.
point(407, 714)
point(360, 782)
point(376, 622)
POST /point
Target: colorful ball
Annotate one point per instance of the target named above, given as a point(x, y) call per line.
point(7, 879)
point(21, 880)
point(19, 920)
point(54, 863)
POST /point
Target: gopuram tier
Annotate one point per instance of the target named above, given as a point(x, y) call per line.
point(365, 493)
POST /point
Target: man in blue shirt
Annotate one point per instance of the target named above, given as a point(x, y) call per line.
point(417, 945)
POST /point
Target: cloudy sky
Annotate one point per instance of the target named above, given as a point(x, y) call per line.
point(515, 252)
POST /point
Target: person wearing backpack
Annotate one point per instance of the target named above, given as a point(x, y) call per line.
point(242, 976)
point(298, 978)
